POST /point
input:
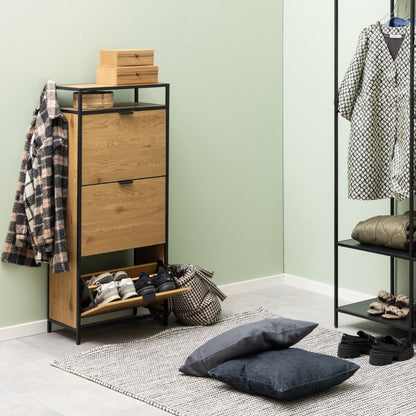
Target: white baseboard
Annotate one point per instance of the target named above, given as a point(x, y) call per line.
point(23, 330)
point(247, 285)
point(39, 327)
point(347, 295)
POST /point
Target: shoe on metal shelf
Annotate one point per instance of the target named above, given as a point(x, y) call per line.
point(163, 281)
point(126, 288)
point(143, 285)
point(106, 293)
point(387, 349)
point(352, 346)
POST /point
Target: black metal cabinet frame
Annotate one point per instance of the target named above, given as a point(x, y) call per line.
point(360, 309)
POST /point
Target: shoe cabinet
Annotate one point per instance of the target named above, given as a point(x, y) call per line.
point(359, 309)
point(117, 198)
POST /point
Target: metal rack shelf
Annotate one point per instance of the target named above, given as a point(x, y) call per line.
point(385, 251)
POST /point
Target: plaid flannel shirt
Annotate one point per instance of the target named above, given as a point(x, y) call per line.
point(37, 227)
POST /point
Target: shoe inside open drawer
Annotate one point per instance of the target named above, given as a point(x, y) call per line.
point(153, 298)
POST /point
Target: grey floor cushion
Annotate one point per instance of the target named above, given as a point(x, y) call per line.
point(277, 333)
point(284, 374)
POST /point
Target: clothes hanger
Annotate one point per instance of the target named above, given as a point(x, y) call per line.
point(389, 14)
point(394, 20)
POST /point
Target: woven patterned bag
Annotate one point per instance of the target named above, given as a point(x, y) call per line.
point(200, 305)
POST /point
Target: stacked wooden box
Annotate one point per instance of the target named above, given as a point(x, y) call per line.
point(127, 66)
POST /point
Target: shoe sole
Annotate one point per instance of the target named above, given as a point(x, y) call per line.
point(148, 290)
point(384, 358)
point(164, 287)
point(101, 280)
point(120, 276)
point(351, 351)
point(129, 295)
point(110, 299)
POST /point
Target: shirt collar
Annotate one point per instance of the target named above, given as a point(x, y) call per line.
point(49, 100)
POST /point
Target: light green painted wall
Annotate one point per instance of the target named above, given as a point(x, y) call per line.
point(224, 61)
point(308, 145)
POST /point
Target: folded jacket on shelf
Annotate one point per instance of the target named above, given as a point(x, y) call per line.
point(385, 230)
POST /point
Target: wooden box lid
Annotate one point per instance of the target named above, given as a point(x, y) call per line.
point(126, 57)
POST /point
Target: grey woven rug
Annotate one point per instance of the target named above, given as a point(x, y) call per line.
point(131, 368)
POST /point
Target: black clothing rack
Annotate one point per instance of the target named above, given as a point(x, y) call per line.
point(359, 309)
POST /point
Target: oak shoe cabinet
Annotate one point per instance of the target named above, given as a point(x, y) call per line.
point(117, 199)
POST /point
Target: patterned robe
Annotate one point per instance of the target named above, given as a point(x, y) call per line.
point(374, 96)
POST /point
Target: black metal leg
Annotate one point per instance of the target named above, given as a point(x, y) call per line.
point(336, 283)
point(134, 311)
point(78, 337)
point(166, 312)
point(49, 326)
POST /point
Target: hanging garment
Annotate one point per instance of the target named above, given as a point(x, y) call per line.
point(374, 96)
point(37, 227)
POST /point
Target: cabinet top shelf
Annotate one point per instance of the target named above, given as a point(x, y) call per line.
point(98, 87)
point(118, 107)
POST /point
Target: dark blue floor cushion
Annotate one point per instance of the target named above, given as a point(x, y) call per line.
point(286, 374)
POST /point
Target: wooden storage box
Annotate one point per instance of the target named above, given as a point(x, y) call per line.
point(95, 100)
point(125, 75)
point(127, 57)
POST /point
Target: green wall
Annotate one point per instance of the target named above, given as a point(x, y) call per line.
point(309, 146)
point(224, 62)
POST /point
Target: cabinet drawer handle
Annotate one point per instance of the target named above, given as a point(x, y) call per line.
point(125, 182)
point(138, 73)
point(125, 112)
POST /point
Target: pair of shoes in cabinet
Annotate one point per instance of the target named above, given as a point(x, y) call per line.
point(115, 290)
point(381, 350)
point(390, 306)
point(161, 282)
point(107, 278)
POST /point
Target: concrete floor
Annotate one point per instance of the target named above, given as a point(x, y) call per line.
point(30, 386)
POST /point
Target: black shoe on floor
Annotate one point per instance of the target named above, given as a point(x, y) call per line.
point(352, 346)
point(143, 285)
point(163, 281)
point(387, 349)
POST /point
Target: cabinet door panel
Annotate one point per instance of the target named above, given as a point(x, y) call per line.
point(122, 216)
point(123, 146)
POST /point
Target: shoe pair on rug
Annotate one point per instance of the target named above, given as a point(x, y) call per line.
point(390, 306)
point(382, 350)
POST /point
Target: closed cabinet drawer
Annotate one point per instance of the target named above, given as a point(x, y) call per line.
point(117, 147)
point(122, 216)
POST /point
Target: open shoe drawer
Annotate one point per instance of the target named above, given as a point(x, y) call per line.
point(133, 272)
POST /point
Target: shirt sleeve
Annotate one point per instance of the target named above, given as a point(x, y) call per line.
point(60, 165)
point(351, 84)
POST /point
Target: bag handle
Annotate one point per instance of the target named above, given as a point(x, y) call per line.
point(213, 287)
